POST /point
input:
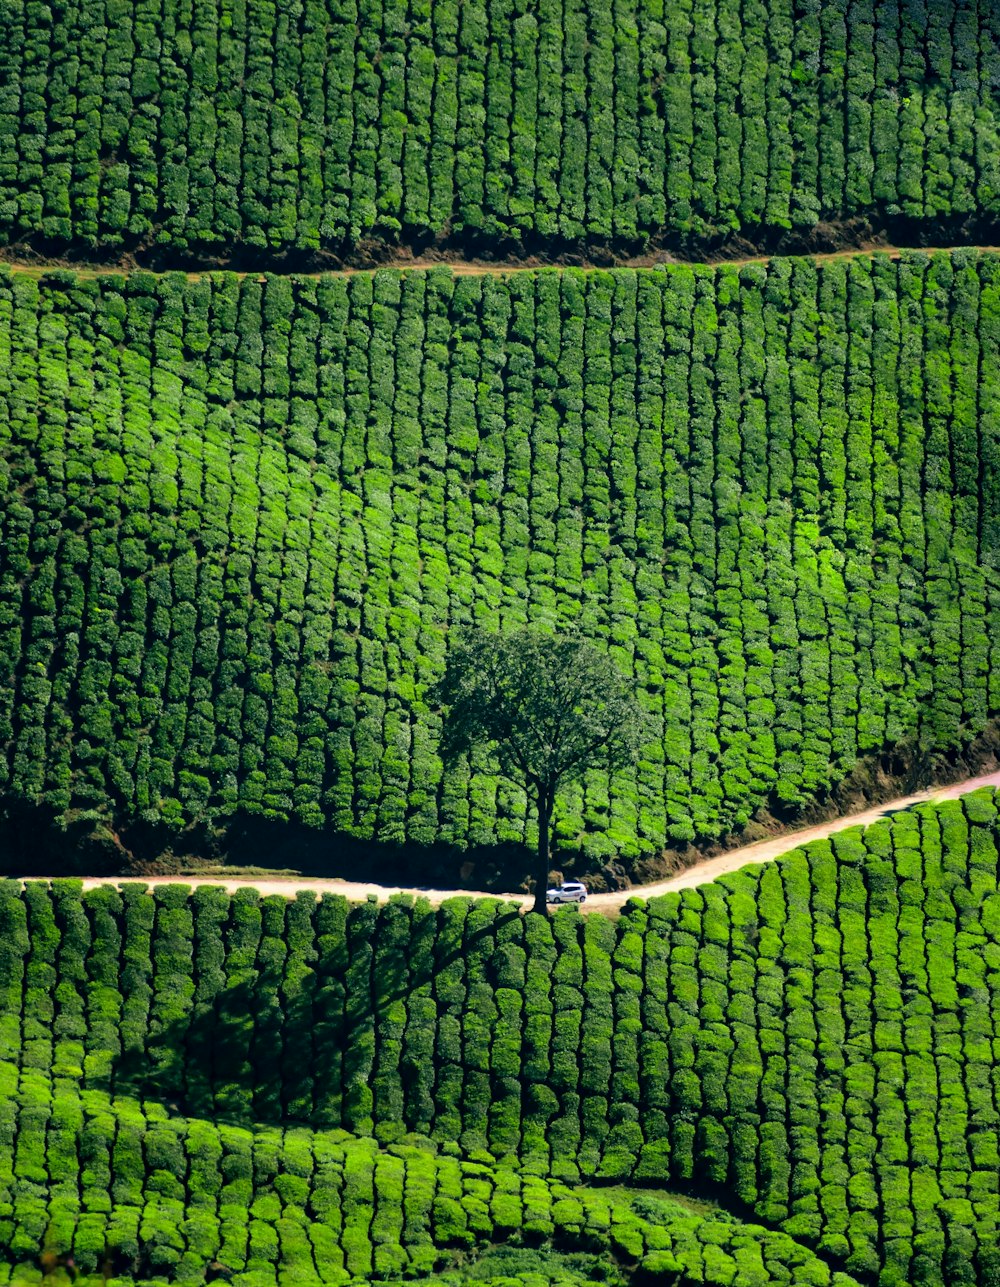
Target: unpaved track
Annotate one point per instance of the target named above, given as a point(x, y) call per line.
point(767, 850)
point(474, 267)
point(699, 874)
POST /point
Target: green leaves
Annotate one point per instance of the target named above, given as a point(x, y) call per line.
point(766, 497)
point(814, 1037)
point(548, 706)
point(310, 126)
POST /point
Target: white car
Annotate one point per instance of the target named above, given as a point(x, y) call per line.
point(570, 892)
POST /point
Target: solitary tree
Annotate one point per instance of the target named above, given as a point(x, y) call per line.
point(547, 707)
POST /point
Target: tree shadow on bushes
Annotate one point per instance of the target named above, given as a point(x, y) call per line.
point(258, 1052)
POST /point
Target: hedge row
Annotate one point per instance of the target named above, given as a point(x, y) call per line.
point(814, 1038)
point(239, 517)
point(136, 1194)
point(311, 124)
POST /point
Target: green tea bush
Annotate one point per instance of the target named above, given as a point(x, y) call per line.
point(811, 1040)
point(311, 125)
point(240, 516)
point(377, 1215)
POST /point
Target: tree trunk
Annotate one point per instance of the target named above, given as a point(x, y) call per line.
point(544, 826)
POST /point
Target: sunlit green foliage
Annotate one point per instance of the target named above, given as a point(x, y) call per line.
point(239, 517)
point(259, 1207)
point(189, 1077)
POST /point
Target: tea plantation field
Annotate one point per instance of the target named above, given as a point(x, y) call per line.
point(289, 1091)
point(239, 517)
point(215, 126)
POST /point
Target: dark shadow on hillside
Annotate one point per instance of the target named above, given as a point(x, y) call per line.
point(876, 226)
point(253, 1054)
point(36, 841)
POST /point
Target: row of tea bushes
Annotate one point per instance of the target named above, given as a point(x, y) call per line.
point(140, 1194)
point(814, 1037)
point(301, 124)
point(239, 518)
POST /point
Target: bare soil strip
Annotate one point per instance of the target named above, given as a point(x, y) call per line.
point(701, 873)
point(473, 267)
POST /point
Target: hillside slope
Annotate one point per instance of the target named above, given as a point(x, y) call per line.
point(171, 1199)
point(239, 519)
point(218, 129)
point(811, 1041)
point(609, 901)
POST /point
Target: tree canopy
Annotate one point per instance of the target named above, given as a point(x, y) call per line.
point(546, 707)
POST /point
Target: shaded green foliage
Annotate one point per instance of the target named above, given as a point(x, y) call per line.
point(97, 1189)
point(239, 517)
point(307, 124)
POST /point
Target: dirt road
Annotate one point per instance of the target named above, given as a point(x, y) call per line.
point(482, 267)
point(701, 873)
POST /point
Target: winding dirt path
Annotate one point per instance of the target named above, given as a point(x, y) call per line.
point(700, 874)
point(474, 267)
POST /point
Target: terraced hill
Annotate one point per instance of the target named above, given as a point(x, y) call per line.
point(242, 513)
point(216, 128)
point(292, 1091)
point(239, 518)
